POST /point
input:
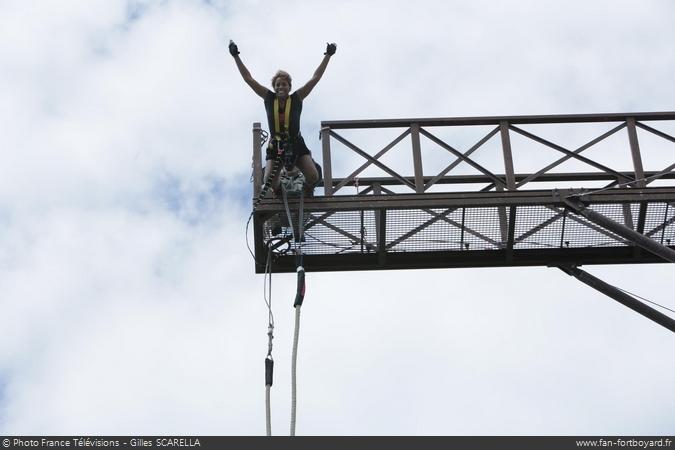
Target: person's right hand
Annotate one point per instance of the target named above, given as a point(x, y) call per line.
point(234, 51)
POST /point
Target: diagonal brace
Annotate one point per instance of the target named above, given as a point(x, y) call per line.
point(638, 239)
point(372, 160)
point(620, 296)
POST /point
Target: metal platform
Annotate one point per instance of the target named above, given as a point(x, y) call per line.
point(465, 211)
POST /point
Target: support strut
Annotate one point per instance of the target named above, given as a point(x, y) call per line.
point(639, 239)
point(620, 296)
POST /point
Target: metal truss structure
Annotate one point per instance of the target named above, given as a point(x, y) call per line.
point(432, 205)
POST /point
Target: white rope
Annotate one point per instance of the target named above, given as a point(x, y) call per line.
point(293, 371)
point(270, 336)
point(297, 238)
point(268, 408)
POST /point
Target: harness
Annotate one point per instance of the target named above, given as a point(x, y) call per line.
point(287, 116)
point(283, 145)
point(282, 140)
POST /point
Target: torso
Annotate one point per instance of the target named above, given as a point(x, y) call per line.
point(293, 121)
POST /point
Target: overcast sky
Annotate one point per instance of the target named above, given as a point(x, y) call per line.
point(129, 303)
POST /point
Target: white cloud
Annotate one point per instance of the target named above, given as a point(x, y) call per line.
point(129, 303)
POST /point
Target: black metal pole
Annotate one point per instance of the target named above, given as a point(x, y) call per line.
point(639, 239)
point(620, 297)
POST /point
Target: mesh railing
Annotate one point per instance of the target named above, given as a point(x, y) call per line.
point(466, 229)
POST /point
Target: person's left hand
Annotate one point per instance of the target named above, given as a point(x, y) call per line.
point(330, 49)
point(234, 51)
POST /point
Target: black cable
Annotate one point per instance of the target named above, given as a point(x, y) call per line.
point(617, 185)
point(342, 247)
point(642, 298)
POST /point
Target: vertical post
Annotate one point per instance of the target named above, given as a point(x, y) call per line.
point(512, 232)
point(508, 157)
point(627, 216)
point(510, 180)
point(327, 170)
point(562, 232)
point(257, 160)
point(382, 237)
point(461, 236)
point(257, 186)
point(635, 152)
point(380, 228)
point(642, 218)
point(665, 218)
point(417, 158)
point(639, 171)
point(259, 245)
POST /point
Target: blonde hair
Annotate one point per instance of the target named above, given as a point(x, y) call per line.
point(281, 74)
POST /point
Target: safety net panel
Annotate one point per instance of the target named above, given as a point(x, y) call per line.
point(420, 230)
point(463, 228)
point(325, 232)
point(660, 223)
point(555, 227)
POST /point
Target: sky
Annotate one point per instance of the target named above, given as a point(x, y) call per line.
point(129, 301)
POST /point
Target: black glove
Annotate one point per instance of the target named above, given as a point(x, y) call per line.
point(330, 49)
point(234, 51)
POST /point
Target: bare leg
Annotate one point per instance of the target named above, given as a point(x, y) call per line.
point(306, 165)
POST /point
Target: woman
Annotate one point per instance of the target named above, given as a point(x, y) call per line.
point(283, 116)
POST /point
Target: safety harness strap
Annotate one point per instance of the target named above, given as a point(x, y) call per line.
point(287, 116)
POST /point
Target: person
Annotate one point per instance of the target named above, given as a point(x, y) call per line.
point(283, 115)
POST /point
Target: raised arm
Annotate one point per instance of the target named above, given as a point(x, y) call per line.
point(245, 74)
point(318, 73)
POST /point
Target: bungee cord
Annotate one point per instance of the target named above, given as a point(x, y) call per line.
point(297, 236)
point(299, 296)
point(269, 361)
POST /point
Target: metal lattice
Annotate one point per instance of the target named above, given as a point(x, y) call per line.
point(464, 229)
point(380, 213)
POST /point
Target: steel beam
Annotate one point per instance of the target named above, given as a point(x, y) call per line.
point(620, 296)
point(470, 199)
point(639, 239)
point(520, 178)
point(495, 120)
point(462, 259)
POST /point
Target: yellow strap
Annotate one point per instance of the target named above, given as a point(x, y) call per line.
point(287, 115)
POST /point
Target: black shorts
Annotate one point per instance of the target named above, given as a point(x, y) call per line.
point(299, 148)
